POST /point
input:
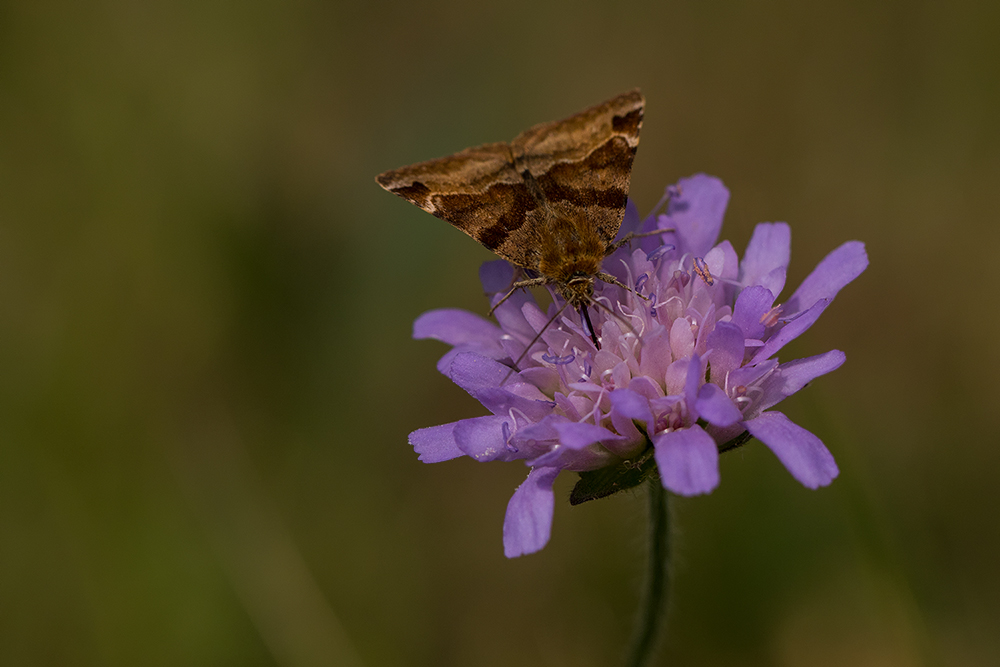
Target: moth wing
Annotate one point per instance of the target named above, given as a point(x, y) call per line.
point(583, 164)
point(479, 192)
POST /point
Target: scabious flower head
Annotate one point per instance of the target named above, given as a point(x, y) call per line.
point(682, 374)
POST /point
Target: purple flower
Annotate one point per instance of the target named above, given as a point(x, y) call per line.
point(682, 375)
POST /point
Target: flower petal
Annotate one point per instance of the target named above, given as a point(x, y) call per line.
point(467, 331)
point(501, 402)
point(751, 306)
point(681, 338)
point(655, 354)
point(577, 435)
point(631, 406)
point(805, 455)
point(836, 270)
point(528, 523)
point(695, 378)
point(715, 407)
point(791, 331)
point(483, 438)
point(727, 349)
point(457, 327)
point(541, 431)
point(715, 261)
point(472, 372)
point(775, 280)
point(767, 256)
point(730, 261)
point(546, 379)
point(644, 386)
point(688, 461)
point(497, 278)
point(695, 214)
point(747, 375)
point(436, 444)
point(795, 375)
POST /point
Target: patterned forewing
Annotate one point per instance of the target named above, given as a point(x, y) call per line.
point(507, 195)
point(583, 164)
point(477, 191)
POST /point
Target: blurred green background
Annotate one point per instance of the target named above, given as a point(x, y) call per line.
point(207, 377)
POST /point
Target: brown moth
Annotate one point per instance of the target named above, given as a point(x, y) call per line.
point(551, 201)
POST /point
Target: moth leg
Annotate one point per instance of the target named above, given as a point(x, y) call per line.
point(608, 278)
point(516, 286)
point(632, 235)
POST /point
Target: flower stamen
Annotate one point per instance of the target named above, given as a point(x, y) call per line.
point(771, 317)
point(701, 268)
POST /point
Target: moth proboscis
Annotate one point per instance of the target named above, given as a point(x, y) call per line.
point(551, 201)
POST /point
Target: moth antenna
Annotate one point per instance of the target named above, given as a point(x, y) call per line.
point(608, 278)
point(534, 340)
point(532, 282)
point(660, 204)
point(633, 235)
point(667, 194)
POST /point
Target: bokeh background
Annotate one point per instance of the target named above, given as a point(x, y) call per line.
point(207, 376)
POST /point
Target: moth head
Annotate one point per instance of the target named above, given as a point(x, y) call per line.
point(578, 290)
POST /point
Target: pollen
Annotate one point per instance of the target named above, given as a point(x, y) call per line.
point(701, 268)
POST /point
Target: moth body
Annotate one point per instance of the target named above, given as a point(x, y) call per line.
point(570, 255)
point(550, 201)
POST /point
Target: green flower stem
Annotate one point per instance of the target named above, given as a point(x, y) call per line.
point(652, 614)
